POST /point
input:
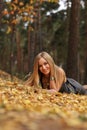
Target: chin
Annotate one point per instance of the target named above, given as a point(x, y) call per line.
point(46, 74)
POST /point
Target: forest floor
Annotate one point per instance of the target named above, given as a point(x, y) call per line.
point(25, 108)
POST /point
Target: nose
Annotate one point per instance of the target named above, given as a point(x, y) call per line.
point(43, 67)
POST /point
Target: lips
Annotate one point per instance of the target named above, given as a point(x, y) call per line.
point(46, 72)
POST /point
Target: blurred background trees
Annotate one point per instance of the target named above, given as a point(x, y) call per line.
point(28, 27)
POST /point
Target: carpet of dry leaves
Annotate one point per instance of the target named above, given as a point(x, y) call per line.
point(25, 108)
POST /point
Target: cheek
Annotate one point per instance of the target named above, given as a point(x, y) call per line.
point(48, 67)
point(40, 69)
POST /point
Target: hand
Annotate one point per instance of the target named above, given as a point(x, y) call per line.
point(52, 91)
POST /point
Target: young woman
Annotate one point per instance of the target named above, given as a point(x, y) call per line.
point(50, 76)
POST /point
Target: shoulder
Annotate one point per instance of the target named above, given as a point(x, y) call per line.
point(61, 72)
point(60, 69)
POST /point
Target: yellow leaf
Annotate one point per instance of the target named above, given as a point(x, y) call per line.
point(14, 21)
point(8, 30)
point(15, 1)
point(14, 6)
point(5, 12)
point(21, 3)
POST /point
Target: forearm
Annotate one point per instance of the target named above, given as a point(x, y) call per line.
point(51, 91)
point(53, 84)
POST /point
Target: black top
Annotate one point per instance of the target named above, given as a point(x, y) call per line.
point(72, 86)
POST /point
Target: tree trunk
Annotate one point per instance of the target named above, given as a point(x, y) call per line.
point(34, 37)
point(72, 57)
point(11, 53)
point(67, 21)
point(19, 52)
point(31, 49)
point(85, 51)
point(1, 8)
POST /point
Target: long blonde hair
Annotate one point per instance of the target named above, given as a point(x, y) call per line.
point(56, 71)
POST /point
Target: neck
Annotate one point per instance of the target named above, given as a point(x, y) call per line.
point(46, 76)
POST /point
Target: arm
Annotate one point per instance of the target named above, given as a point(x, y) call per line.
point(52, 83)
point(53, 87)
point(56, 83)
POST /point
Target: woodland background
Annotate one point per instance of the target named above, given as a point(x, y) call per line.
point(28, 27)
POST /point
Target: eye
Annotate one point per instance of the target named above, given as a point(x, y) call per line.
point(45, 63)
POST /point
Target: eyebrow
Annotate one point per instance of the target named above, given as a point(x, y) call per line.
point(45, 62)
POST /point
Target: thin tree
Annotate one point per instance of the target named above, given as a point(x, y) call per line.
point(19, 51)
point(85, 51)
point(1, 8)
point(34, 36)
point(73, 42)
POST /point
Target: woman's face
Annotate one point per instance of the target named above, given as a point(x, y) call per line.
point(44, 67)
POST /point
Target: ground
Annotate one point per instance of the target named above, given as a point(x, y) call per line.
point(26, 108)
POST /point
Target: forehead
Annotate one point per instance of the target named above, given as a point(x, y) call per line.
point(41, 61)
